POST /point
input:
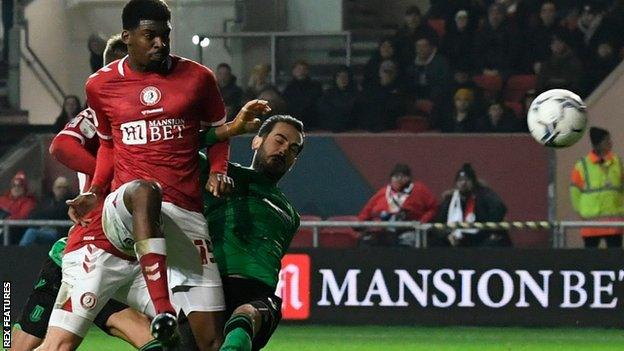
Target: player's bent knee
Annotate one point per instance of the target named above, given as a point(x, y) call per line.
point(145, 189)
point(59, 339)
point(248, 310)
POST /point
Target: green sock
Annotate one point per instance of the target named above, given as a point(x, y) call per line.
point(238, 340)
point(238, 333)
point(153, 345)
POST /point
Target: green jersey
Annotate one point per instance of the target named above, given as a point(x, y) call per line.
point(56, 252)
point(252, 228)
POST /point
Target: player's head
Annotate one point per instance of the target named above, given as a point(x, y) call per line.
point(146, 30)
point(115, 49)
point(600, 140)
point(278, 143)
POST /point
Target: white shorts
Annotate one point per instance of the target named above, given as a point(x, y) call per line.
point(190, 260)
point(91, 276)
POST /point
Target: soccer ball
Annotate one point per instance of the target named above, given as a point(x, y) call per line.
point(557, 118)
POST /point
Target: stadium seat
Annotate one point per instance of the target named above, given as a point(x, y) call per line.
point(339, 237)
point(491, 85)
point(413, 124)
point(518, 85)
point(304, 236)
point(516, 107)
point(439, 25)
point(423, 106)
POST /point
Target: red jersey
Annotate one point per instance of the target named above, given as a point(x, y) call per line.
point(153, 120)
point(82, 127)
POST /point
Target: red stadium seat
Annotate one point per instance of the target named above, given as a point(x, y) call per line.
point(516, 107)
point(424, 106)
point(491, 85)
point(339, 237)
point(304, 237)
point(413, 124)
point(439, 25)
point(518, 85)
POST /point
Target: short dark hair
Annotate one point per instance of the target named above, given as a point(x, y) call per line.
point(115, 49)
point(413, 10)
point(137, 10)
point(270, 123)
point(401, 168)
point(224, 65)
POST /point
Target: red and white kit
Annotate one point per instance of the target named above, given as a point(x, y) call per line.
point(150, 122)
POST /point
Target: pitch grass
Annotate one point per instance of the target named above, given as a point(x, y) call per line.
point(369, 338)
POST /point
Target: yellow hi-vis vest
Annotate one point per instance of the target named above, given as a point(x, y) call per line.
point(598, 191)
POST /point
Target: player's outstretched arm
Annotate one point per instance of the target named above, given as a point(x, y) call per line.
point(70, 152)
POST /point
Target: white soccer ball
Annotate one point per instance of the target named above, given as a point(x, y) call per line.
point(557, 118)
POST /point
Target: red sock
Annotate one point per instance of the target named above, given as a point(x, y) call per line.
point(153, 261)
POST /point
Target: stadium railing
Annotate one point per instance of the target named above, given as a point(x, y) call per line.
point(273, 37)
point(558, 228)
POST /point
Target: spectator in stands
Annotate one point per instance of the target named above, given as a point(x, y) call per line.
point(470, 201)
point(496, 44)
point(599, 66)
point(17, 203)
point(258, 81)
point(594, 28)
point(537, 46)
point(231, 93)
point(302, 94)
point(96, 45)
point(71, 107)
point(385, 51)
point(403, 199)
point(596, 190)
point(462, 117)
point(447, 10)
point(414, 27)
point(563, 69)
point(53, 207)
point(458, 42)
point(336, 106)
point(379, 106)
point(499, 119)
point(429, 76)
point(275, 99)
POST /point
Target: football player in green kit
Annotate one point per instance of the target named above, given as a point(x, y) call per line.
point(251, 230)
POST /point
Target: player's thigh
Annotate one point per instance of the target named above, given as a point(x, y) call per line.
point(36, 313)
point(59, 339)
point(90, 277)
point(117, 221)
point(207, 328)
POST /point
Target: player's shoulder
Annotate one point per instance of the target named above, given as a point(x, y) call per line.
point(186, 64)
point(109, 73)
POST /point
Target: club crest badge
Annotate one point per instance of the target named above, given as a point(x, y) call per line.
point(150, 96)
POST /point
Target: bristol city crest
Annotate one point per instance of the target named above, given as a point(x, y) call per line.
point(150, 96)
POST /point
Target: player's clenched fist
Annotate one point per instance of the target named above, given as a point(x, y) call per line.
point(219, 184)
point(247, 120)
point(80, 206)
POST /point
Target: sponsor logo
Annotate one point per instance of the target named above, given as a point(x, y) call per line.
point(294, 286)
point(467, 288)
point(40, 283)
point(36, 314)
point(88, 300)
point(141, 132)
point(150, 96)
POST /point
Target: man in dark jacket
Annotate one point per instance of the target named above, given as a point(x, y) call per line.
point(53, 208)
point(302, 94)
point(231, 93)
point(470, 202)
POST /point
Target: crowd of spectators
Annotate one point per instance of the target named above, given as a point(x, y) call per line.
point(19, 203)
point(464, 66)
point(407, 199)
